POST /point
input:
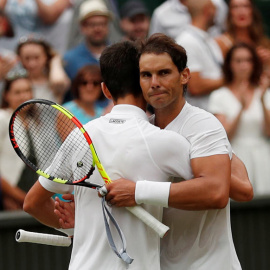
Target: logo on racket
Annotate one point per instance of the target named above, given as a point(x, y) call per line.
point(79, 164)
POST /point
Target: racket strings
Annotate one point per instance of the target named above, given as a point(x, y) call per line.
point(46, 138)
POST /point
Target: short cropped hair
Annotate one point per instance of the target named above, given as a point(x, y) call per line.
point(119, 65)
point(158, 44)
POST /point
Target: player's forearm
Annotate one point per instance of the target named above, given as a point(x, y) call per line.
point(195, 194)
point(39, 204)
point(240, 189)
point(44, 212)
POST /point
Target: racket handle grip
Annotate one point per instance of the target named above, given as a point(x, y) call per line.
point(42, 238)
point(160, 228)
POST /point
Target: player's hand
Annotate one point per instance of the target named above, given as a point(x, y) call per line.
point(65, 211)
point(121, 193)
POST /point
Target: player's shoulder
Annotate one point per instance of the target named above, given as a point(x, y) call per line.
point(197, 118)
point(165, 138)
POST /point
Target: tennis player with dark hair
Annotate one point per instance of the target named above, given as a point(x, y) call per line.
point(128, 146)
point(199, 239)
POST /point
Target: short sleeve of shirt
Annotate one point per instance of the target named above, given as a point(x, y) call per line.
point(206, 136)
point(55, 187)
point(170, 152)
point(73, 151)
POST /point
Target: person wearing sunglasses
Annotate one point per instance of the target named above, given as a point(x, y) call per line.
point(87, 94)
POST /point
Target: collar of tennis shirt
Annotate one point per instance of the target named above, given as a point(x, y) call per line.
point(129, 110)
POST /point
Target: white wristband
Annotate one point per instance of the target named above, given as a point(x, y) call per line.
point(68, 232)
point(153, 193)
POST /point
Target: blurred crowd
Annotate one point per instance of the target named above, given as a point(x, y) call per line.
point(50, 49)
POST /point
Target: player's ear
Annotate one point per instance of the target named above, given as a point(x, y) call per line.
point(106, 91)
point(185, 76)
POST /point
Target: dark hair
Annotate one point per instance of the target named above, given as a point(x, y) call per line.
point(38, 41)
point(79, 78)
point(255, 30)
point(158, 44)
point(257, 64)
point(10, 78)
point(119, 66)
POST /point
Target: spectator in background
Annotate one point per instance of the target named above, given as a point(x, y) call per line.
point(171, 16)
point(17, 89)
point(94, 20)
point(244, 24)
point(135, 20)
point(48, 18)
point(204, 55)
point(8, 58)
point(243, 107)
point(11, 198)
point(86, 89)
point(39, 59)
point(115, 33)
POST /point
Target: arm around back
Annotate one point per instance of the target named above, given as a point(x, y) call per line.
point(209, 189)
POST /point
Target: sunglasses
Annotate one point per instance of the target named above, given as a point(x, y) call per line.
point(94, 83)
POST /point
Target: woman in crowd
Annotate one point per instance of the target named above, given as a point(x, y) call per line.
point(17, 89)
point(244, 24)
point(8, 58)
point(87, 93)
point(243, 107)
point(44, 68)
point(49, 18)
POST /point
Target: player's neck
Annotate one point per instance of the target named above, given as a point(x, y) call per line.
point(164, 116)
point(131, 100)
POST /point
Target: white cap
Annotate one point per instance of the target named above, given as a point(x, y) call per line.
point(93, 8)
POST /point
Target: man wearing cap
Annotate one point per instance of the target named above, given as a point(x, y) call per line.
point(94, 20)
point(135, 20)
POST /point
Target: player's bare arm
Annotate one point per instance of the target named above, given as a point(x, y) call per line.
point(39, 204)
point(208, 190)
point(241, 189)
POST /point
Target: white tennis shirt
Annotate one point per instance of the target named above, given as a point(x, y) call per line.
point(199, 240)
point(130, 147)
point(204, 56)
